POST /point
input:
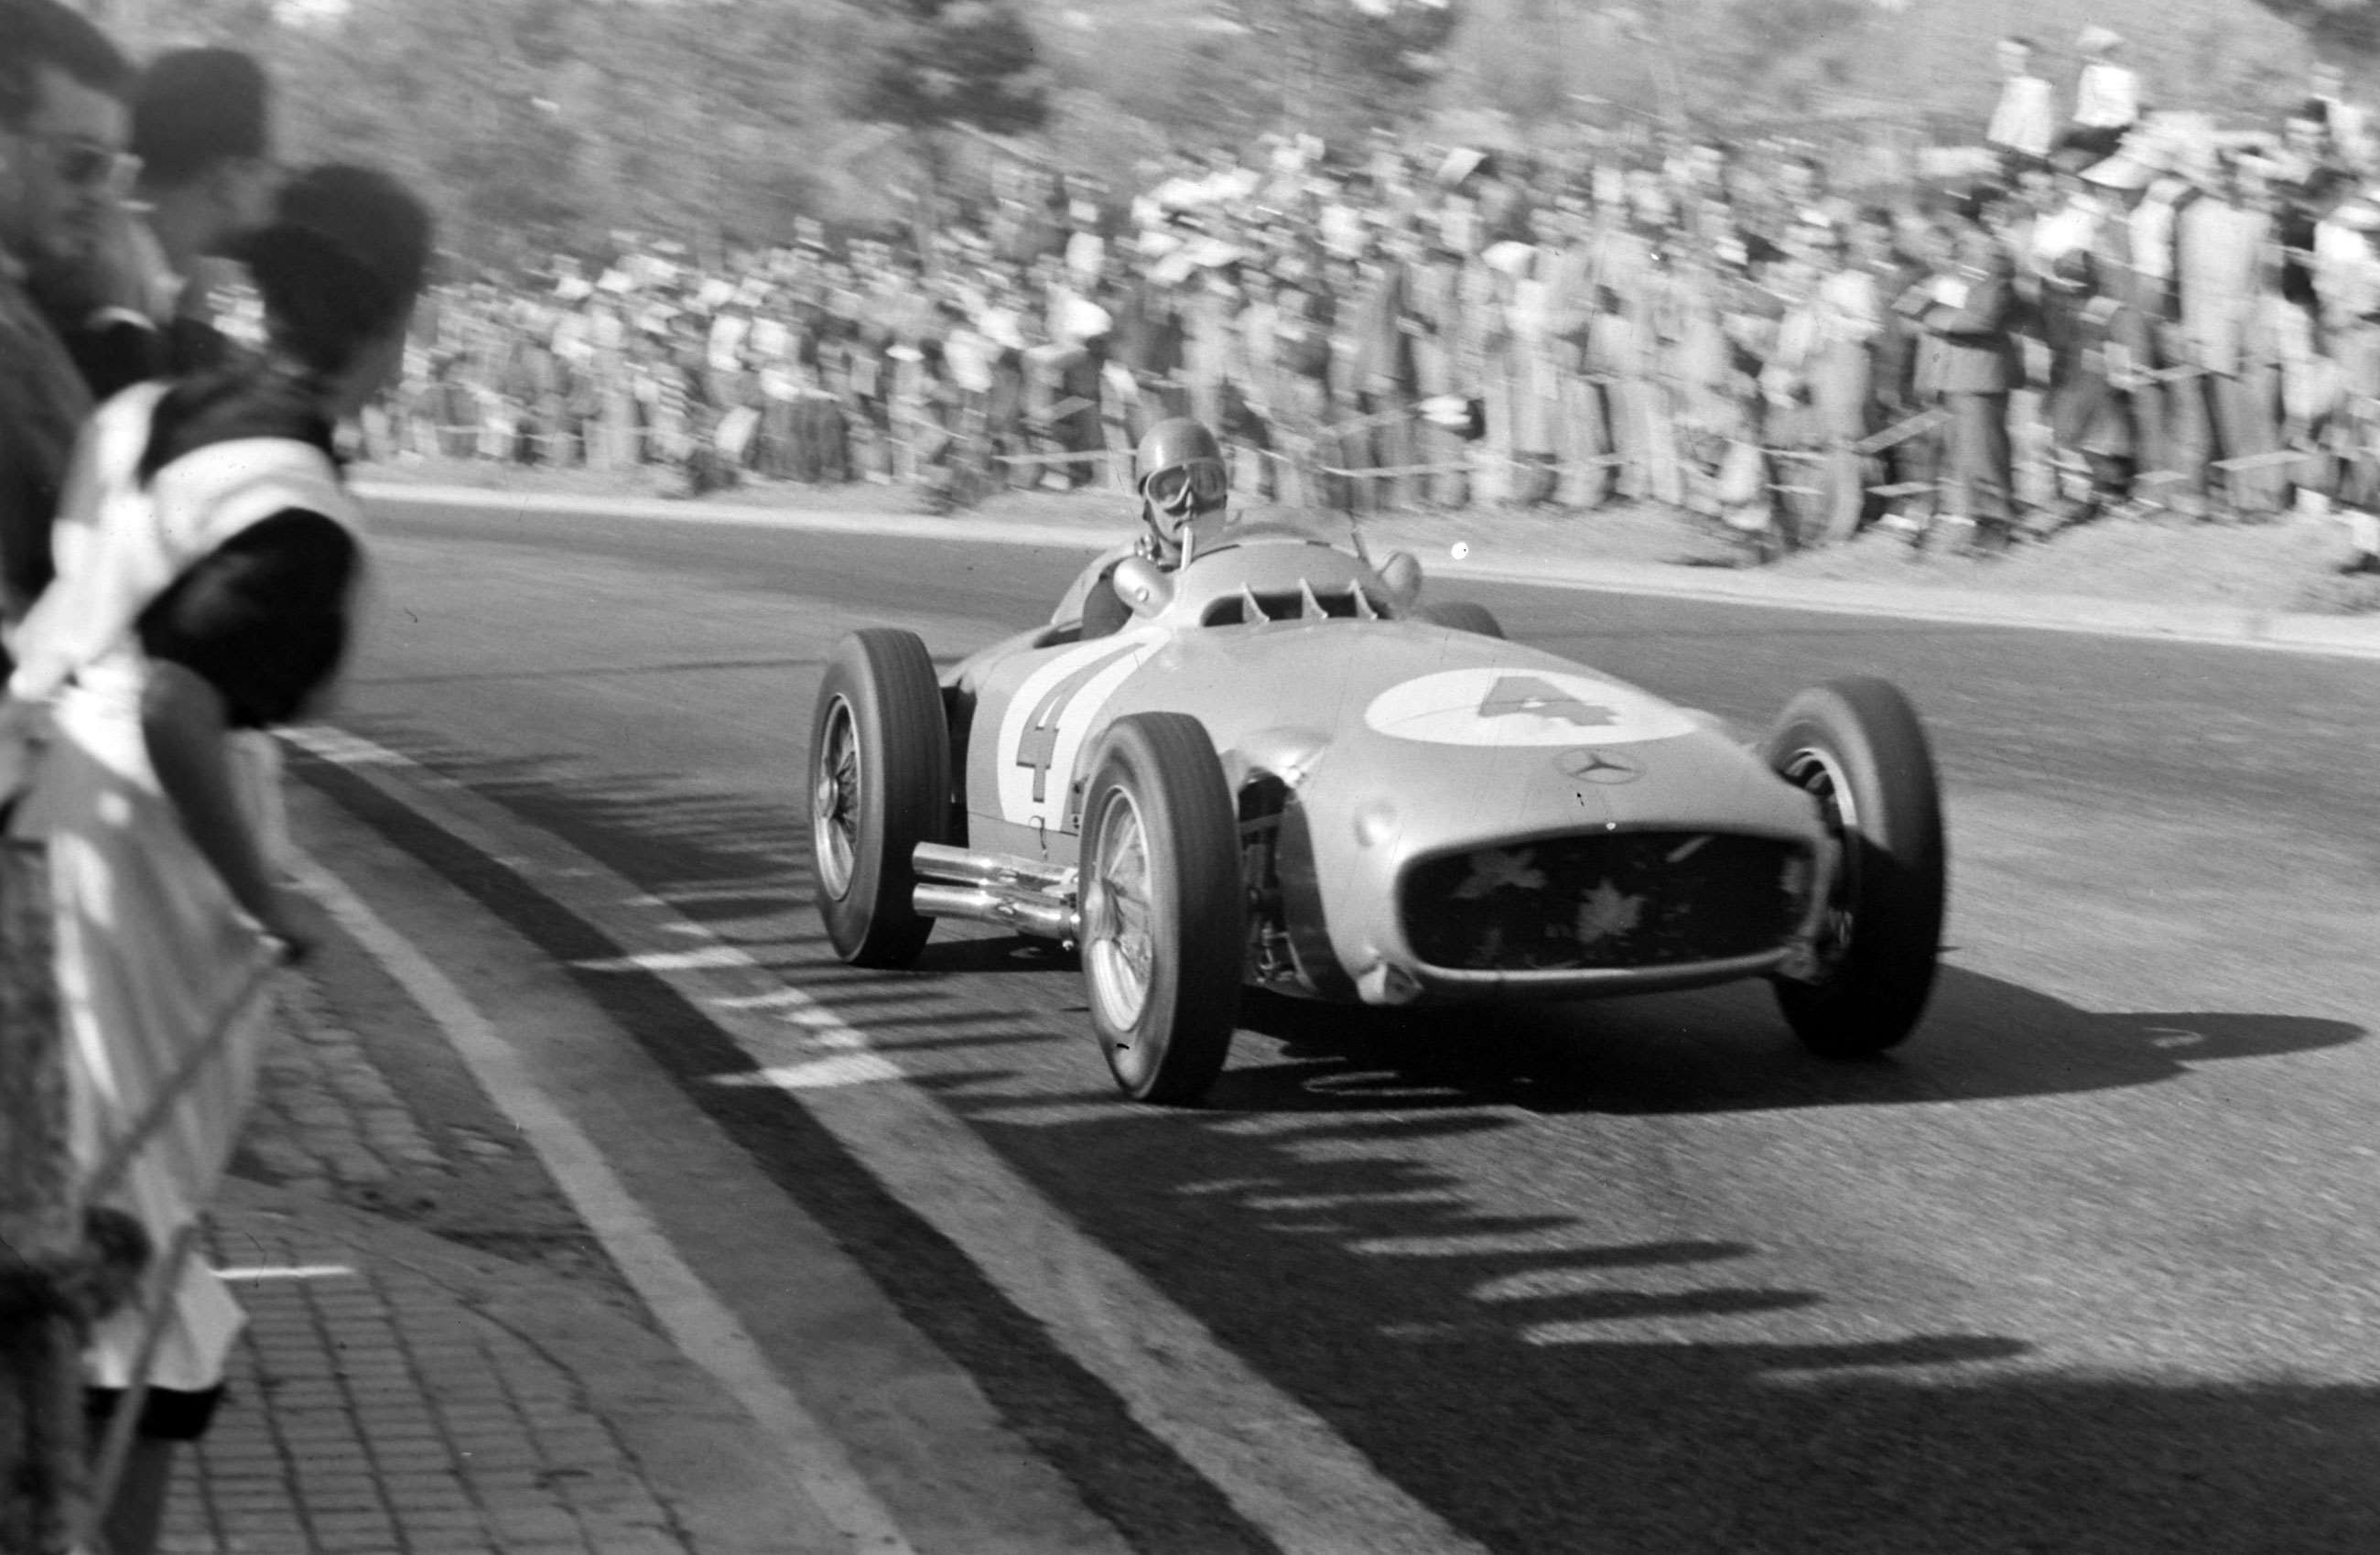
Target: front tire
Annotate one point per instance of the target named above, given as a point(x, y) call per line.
point(1857, 746)
point(1164, 912)
point(880, 784)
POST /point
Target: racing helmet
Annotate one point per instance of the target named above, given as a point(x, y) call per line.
point(1178, 471)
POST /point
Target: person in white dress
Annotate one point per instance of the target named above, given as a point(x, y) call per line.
point(208, 559)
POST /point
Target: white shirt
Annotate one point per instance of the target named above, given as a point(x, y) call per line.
point(1847, 308)
point(771, 340)
point(2346, 274)
point(2335, 243)
point(2350, 130)
point(1343, 230)
point(1074, 319)
point(2107, 96)
point(966, 356)
point(2152, 235)
point(2026, 119)
point(2063, 232)
point(570, 339)
point(1003, 327)
point(1458, 225)
point(728, 341)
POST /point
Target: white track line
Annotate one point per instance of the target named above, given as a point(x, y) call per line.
point(1278, 1463)
point(696, 1321)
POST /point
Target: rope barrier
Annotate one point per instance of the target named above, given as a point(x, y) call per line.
point(108, 1174)
point(2265, 461)
point(1901, 431)
point(1556, 467)
point(116, 1448)
point(1087, 457)
point(919, 442)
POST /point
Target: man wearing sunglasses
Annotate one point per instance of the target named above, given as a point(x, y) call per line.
point(1180, 474)
point(200, 140)
point(62, 124)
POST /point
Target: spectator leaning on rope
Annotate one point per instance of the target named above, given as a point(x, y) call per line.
point(207, 563)
point(62, 134)
point(1972, 312)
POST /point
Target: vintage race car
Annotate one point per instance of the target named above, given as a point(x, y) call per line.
point(1288, 773)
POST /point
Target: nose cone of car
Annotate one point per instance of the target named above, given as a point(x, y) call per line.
point(1418, 780)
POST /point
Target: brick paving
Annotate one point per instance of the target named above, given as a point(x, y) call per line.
point(325, 1114)
point(372, 1411)
point(397, 1394)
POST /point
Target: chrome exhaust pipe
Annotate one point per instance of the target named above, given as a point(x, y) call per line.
point(936, 861)
point(1044, 917)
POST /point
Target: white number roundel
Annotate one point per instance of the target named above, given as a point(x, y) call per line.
point(1522, 708)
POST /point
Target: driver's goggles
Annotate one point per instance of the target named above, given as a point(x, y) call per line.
point(1200, 485)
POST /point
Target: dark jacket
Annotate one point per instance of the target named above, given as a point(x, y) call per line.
point(43, 403)
point(1980, 355)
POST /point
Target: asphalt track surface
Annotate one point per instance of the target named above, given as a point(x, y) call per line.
point(2090, 1265)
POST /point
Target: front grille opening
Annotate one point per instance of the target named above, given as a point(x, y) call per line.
point(1605, 900)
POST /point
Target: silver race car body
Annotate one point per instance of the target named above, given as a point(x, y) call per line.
point(1424, 812)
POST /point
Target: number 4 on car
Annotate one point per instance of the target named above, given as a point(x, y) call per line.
point(1290, 773)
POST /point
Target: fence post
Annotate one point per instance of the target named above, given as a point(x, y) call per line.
point(41, 1465)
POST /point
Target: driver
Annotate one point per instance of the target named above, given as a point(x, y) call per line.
point(1180, 475)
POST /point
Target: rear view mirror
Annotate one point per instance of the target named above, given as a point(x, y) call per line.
point(1144, 586)
point(1400, 575)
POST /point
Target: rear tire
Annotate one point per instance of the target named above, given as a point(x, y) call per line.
point(880, 784)
point(1857, 746)
point(1164, 912)
point(1462, 615)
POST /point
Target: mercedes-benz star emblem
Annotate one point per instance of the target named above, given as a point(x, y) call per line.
point(1599, 766)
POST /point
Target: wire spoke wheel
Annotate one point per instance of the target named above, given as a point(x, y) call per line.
point(878, 784)
point(1119, 954)
point(1817, 772)
point(834, 809)
point(1856, 748)
point(1164, 914)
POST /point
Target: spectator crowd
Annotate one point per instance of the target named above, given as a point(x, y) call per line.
point(2102, 307)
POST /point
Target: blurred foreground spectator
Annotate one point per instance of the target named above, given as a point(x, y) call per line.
point(61, 134)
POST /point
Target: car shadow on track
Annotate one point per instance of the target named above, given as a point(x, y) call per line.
point(1726, 1050)
point(949, 951)
point(1563, 1381)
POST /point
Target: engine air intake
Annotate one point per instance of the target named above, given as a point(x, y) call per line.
point(1614, 899)
point(1253, 607)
